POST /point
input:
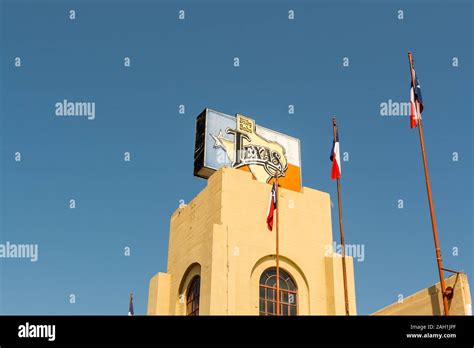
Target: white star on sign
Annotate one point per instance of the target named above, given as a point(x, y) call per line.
point(217, 140)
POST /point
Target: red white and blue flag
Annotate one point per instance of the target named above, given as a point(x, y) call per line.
point(271, 207)
point(335, 159)
point(416, 102)
point(130, 306)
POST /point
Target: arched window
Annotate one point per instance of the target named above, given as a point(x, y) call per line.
point(192, 296)
point(288, 293)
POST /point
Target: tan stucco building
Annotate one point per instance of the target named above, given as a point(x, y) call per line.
point(221, 255)
point(429, 301)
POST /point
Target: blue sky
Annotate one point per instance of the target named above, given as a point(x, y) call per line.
point(128, 204)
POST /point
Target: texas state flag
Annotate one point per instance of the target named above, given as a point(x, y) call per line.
point(415, 100)
point(271, 207)
point(335, 159)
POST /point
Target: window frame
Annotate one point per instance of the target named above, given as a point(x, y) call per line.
point(193, 296)
point(269, 302)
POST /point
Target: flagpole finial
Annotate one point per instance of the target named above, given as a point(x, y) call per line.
point(410, 58)
point(334, 120)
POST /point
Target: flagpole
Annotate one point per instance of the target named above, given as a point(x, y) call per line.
point(430, 198)
point(341, 229)
point(277, 256)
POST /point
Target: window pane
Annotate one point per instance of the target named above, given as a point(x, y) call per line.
point(291, 284)
point(284, 297)
point(283, 284)
point(270, 294)
point(271, 281)
point(270, 307)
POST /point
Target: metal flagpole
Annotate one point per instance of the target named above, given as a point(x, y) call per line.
point(341, 229)
point(277, 247)
point(430, 199)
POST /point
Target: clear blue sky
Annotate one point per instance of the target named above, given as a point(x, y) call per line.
point(190, 62)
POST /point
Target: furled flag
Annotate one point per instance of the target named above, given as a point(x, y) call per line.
point(415, 99)
point(271, 207)
point(130, 306)
point(335, 159)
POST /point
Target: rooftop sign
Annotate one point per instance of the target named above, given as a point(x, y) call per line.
point(238, 142)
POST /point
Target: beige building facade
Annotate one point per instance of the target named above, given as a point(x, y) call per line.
point(221, 256)
point(429, 301)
